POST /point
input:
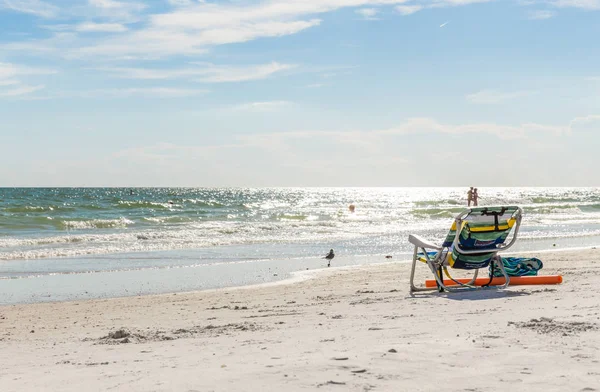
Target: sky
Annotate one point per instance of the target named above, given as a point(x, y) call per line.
point(299, 93)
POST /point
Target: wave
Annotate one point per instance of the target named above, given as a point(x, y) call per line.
point(545, 234)
point(545, 208)
point(574, 210)
point(170, 204)
point(33, 209)
point(9, 224)
point(36, 223)
point(168, 219)
point(436, 212)
point(294, 217)
point(190, 237)
point(96, 224)
point(590, 207)
point(426, 203)
point(125, 204)
point(211, 204)
point(546, 199)
point(552, 210)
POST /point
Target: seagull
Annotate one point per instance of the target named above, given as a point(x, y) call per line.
point(329, 257)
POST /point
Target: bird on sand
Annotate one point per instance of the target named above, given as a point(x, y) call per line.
point(329, 257)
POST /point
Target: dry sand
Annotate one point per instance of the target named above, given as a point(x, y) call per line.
point(351, 329)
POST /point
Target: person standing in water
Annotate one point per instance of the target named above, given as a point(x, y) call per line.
point(470, 196)
point(475, 198)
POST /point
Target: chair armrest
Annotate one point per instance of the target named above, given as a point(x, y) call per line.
point(422, 243)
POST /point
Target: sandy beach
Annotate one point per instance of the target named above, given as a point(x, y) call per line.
point(339, 329)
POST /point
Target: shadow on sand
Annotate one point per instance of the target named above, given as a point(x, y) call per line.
point(472, 295)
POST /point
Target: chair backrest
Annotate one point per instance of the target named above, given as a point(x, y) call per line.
point(477, 234)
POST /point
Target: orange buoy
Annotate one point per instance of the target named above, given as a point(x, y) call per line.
point(514, 281)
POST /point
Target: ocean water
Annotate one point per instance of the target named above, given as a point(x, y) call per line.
point(170, 239)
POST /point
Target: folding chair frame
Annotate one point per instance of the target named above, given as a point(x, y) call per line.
point(438, 263)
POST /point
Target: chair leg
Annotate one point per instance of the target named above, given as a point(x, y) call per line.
point(414, 288)
point(500, 264)
point(412, 271)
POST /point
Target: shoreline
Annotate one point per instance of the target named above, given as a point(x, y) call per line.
point(355, 328)
point(85, 285)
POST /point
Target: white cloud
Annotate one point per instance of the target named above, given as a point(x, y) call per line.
point(193, 27)
point(419, 126)
point(368, 13)
point(8, 71)
point(206, 16)
point(589, 123)
point(91, 27)
point(426, 125)
point(61, 27)
point(412, 7)
point(117, 10)
point(494, 96)
point(181, 3)
point(206, 73)
point(34, 7)
point(125, 11)
point(20, 90)
point(591, 5)
point(238, 74)
point(145, 92)
point(541, 14)
point(8, 82)
point(409, 9)
point(10, 79)
point(59, 42)
point(348, 157)
point(267, 106)
point(163, 42)
point(454, 3)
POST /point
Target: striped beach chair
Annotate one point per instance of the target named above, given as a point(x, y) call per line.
point(473, 242)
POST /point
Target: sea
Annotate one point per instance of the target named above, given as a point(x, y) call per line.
point(60, 244)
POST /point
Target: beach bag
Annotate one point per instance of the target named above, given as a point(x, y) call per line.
point(518, 266)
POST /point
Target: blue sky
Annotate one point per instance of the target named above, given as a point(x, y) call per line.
point(299, 92)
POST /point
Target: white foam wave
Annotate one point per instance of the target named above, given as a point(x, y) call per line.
point(97, 224)
point(211, 234)
point(383, 216)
